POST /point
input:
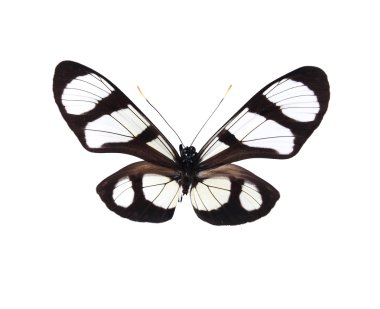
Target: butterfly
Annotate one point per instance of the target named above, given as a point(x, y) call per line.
point(274, 123)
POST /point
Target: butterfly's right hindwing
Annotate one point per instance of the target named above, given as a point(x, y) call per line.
point(231, 195)
point(106, 120)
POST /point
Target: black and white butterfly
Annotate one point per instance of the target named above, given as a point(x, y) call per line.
point(274, 123)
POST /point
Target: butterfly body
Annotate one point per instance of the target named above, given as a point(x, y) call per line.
point(188, 167)
point(274, 123)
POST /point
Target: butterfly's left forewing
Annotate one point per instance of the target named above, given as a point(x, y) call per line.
point(106, 120)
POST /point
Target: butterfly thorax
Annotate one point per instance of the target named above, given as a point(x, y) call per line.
point(188, 162)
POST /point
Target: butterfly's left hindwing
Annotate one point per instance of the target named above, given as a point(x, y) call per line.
point(231, 195)
point(141, 192)
point(106, 120)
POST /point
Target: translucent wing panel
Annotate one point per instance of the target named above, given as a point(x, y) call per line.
point(295, 99)
point(141, 192)
point(212, 193)
point(254, 131)
point(230, 195)
point(160, 190)
point(83, 93)
point(274, 123)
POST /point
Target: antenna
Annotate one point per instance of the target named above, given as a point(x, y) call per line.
point(211, 115)
point(159, 114)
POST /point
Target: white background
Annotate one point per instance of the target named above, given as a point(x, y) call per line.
point(62, 248)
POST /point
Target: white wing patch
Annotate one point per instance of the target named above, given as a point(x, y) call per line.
point(250, 198)
point(160, 145)
point(214, 148)
point(196, 200)
point(160, 190)
point(268, 134)
point(123, 193)
point(247, 123)
point(130, 120)
point(211, 193)
point(120, 126)
point(84, 92)
point(254, 130)
point(295, 100)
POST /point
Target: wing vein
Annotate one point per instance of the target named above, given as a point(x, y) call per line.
point(216, 139)
point(84, 81)
point(164, 144)
point(120, 124)
point(251, 188)
point(286, 90)
point(296, 96)
point(214, 196)
point(73, 88)
point(122, 192)
point(299, 107)
point(179, 187)
point(253, 129)
point(101, 80)
point(122, 183)
point(297, 103)
point(279, 83)
point(201, 199)
point(269, 137)
point(252, 197)
point(158, 184)
point(215, 187)
point(74, 100)
point(103, 131)
point(159, 192)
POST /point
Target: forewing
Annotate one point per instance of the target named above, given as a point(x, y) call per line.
point(106, 120)
point(274, 123)
point(141, 192)
point(231, 195)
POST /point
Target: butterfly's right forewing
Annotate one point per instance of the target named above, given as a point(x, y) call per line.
point(274, 123)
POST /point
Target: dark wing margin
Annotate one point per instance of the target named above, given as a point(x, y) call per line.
point(231, 195)
point(141, 192)
point(274, 123)
point(106, 120)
